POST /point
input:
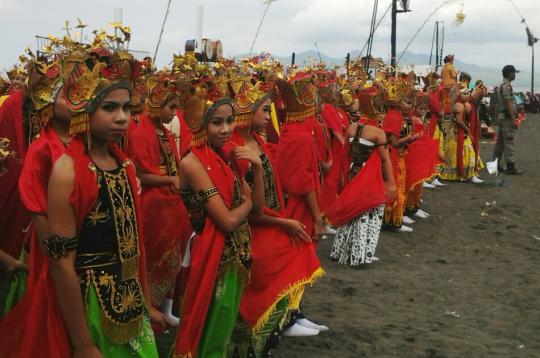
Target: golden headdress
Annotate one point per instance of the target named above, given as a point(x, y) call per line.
point(371, 102)
point(198, 108)
point(162, 87)
point(299, 94)
point(248, 95)
point(89, 75)
point(44, 83)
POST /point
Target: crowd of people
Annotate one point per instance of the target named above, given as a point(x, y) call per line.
point(134, 199)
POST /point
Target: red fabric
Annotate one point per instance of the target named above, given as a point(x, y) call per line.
point(475, 131)
point(277, 264)
point(337, 121)
point(206, 253)
point(434, 107)
point(185, 134)
point(364, 192)
point(165, 221)
point(421, 161)
point(128, 147)
point(297, 162)
point(28, 338)
point(15, 218)
point(33, 186)
point(392, 124)
point(36, 323)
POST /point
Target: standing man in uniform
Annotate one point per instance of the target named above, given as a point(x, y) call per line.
point(506, 116)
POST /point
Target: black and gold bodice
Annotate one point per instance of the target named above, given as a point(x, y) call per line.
point(237, 248)
point(108, 257)
point(359, 152)
point(271, 198)
point(167, 160)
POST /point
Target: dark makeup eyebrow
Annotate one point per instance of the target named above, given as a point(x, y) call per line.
point(117, 103)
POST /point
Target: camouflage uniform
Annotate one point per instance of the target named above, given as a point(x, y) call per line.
point(505, 138)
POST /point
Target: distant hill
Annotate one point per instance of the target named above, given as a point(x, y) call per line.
point(491, 76)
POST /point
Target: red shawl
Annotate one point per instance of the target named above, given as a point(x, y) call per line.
point(421, 160)
point(392, 124)
point(278, 266)
point(297, 163)
point(205, 258)
point(165, 221)
point(185, 134)
point(36, 323)
point(33, 183)
point(15, 218)
point(366, 191)
point(434, 107)
point(475, 131)
point(337, 121)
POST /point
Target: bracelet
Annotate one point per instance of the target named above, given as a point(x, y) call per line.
point(56, 246)
point(206, 194)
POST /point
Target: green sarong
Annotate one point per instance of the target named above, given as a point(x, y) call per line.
point(143, 345)
point(222, 314)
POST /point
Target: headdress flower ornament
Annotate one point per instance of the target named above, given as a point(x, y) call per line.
point(161, 88)
point(198, 108)
point(300, 95)
point(248, 94)
point(89, 75)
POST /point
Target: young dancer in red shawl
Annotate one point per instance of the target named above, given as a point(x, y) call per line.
point(400, 130)
point(359, 210)
point(165, 220)
point(299, 166)
point(40, 158)
point(218, 202)
point(282, 266)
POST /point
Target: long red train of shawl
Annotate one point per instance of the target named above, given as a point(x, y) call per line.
point(336, 122)
point(475, 131)
point(278, 266)
point(434, 107)
point(392, 124)
point(33, 183)
point(365, 191)
point(165, 221)
point(206, 254)
point(15, 218)
point(297, 163)
point(421, 160)
point(185, 134)
point(36, 324)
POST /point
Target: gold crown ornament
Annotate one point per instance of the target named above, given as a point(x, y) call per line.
point(44, 84)
point(198, 109)
point(299, 94)
point(162, 87)
point(89, 75)
point(247, 98)
point(372, 102)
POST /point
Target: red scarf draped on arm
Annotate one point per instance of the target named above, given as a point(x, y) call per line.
point(165, 221)
point(278, 266)
point(435, 108)
point(15, 218)
point(392, 124)
point(36, 324)
point(365, 191)
point(297, 162)
point(206, 254)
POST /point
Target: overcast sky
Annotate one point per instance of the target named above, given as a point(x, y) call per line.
point(491, 34)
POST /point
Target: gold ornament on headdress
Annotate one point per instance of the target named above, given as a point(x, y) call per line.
point(88, 75)
point(161, 87)
point(247, 99)
point(299, 94)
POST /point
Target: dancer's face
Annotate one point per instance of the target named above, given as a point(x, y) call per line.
point(261, 117)
point(406, 105)
point(110, 120)
point(421, 110)
point(220, 126)
point(60, 110)
point(169, 110)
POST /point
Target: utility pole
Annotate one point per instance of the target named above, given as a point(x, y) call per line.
point(395, 11)
point(531, 40)
point(436, 46)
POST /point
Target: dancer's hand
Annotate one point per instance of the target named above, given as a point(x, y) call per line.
point(158, 318)
point(391, 191)
point(317, 231)
point(297, 231)
point(245, 153)
point(15, 267)
point(175, 183)
point(89, 351)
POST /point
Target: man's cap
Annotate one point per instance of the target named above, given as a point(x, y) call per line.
point(509, 69)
